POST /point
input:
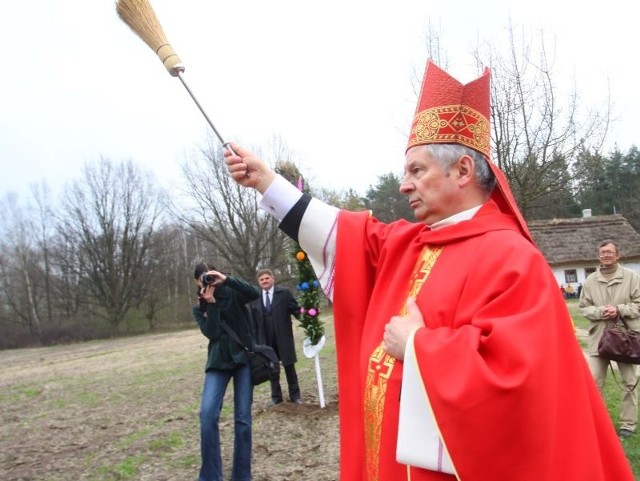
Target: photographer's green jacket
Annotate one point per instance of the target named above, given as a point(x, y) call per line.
point(223, 352)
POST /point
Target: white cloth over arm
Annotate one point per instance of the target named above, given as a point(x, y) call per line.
point(419, 441)
point(317, 233)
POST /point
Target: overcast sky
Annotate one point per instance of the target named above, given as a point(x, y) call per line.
point(335, 80)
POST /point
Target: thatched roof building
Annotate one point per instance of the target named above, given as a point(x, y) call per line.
point(572, 244)
point(571, 240)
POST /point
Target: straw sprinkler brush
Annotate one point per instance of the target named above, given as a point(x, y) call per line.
point(141, 18)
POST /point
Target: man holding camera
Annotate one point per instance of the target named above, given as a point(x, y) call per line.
point(222, 299)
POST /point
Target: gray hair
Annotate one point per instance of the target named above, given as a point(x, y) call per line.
point(447, 154)
point(607, 242)
point(261, 272)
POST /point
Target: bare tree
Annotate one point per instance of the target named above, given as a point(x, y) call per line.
point(537, 129)
point(45, 233)
point(67, 292)
point(228, 218)
point(169, 276)
point(20, 270)
point(109, 217)
point(538, 126)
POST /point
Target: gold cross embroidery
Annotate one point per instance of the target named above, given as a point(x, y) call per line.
point(379, 372)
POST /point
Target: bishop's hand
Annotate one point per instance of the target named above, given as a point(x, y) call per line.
point(399, 328)
point(247, 169)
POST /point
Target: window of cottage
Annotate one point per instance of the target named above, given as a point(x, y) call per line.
point(571, 275)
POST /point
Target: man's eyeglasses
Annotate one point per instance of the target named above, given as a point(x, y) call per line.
point(607, 254)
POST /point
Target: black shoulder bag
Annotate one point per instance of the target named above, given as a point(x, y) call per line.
point(263, 360)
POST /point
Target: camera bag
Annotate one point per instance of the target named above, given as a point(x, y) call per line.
point(263, 360)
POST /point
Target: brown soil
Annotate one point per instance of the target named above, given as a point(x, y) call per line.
point(127, 409)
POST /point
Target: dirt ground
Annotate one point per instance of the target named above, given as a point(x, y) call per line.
point(127, 409)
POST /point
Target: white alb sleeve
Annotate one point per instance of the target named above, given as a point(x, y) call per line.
point(279, 198)
point(317, 236)
point(317, 232)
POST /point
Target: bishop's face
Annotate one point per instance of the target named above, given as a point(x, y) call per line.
point(433, 193)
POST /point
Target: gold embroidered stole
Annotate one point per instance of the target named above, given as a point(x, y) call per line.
point(379, 371)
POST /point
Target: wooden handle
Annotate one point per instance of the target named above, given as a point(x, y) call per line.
point(170, 59)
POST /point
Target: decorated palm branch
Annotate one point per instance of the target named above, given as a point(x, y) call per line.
point(309, 290)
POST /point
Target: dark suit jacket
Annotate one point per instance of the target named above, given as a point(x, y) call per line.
point(283, 306)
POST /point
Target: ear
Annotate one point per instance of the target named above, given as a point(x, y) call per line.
point(465, 169)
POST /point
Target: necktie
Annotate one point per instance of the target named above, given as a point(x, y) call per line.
point(267, 302)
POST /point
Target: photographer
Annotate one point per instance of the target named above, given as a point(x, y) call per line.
point(222, 299)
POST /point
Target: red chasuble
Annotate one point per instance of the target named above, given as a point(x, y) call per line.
point(508, 384)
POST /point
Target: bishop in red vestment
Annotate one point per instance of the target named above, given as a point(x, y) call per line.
point(457, 357)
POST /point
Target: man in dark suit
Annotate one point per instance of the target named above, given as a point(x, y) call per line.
point(272, 326)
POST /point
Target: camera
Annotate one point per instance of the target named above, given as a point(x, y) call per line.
point(207, 279)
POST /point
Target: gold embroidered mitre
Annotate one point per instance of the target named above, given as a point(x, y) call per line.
point(449, 112)
point(452, 113)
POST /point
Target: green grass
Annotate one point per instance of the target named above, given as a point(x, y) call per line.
point(21, 393)
point(132, 438)
point(187, 461)
point(578, 319)
point(612, 397)
point(127, 469)
point(172, 441)
point(148, 414)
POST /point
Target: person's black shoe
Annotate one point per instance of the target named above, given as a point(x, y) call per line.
point(625, 433)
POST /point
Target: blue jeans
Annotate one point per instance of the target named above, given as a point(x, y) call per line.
point(213, 390)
